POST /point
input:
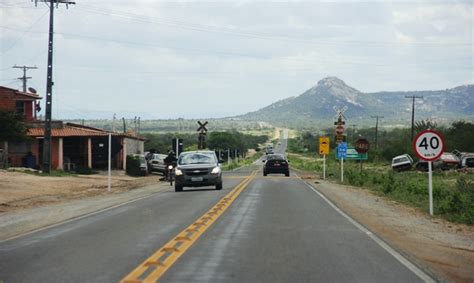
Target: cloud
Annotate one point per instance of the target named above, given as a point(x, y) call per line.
point(208, 59)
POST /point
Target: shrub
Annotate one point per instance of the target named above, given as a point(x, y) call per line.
point(133, 165)
point(84, 170)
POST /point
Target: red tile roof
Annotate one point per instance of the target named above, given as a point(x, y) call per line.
point(75, 130)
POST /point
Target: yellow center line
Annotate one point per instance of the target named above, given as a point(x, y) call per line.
point(157, 264)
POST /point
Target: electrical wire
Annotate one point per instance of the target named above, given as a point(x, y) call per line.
point(23, 34)
point(223, 30)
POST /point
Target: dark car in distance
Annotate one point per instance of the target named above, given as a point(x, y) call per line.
point(276, 163)
point(197, 169)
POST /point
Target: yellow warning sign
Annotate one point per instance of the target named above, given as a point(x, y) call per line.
point(324, 145)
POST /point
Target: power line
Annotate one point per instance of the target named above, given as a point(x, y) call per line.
point(215, 29)
point(22, 35)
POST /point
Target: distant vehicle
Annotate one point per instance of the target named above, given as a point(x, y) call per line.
point(157, 163)
point(402, 162)
point(276, 163)
point(269, 149)
point(467, 161)
point(143, 164)
point(197, 169)
point(446, 161)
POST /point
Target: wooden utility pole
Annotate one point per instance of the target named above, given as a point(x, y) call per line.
point(413, 114)
point(24, 78)
point(376, 128)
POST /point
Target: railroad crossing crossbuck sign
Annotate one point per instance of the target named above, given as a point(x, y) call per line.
point(428, 145)
point(202, 135)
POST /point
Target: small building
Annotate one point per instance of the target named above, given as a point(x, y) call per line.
point(24, 103)
point(72, 145)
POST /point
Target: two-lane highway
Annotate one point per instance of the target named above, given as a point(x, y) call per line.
point(279, 229)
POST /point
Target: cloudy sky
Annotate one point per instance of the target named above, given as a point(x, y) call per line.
point(201, 59)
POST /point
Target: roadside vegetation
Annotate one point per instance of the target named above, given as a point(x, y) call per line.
point(453, 191)
point(233, 140)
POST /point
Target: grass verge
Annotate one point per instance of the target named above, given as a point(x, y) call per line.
point(453, 192)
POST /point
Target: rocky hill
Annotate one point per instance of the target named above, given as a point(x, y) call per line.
point(316, 105)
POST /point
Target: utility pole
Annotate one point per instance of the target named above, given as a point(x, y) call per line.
point(413, 113)
point(49, 84)
point(24, 78)
point(353, 132)
point(376, 128)
point(113, 123)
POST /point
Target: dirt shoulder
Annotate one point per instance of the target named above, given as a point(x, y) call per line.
point(444, 248)
point(30, 202)
point(19, 191)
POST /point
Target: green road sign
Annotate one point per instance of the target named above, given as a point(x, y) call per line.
point(353, 155)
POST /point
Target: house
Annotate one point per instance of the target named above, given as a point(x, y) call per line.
point(24, 103)
point(72, 145)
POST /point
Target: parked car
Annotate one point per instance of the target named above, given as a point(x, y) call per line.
point(197, 169)
point(157, 163)
point(446, 161)
point(142, 163)
point(276, 163)
point(402, 162)
point(467, 161)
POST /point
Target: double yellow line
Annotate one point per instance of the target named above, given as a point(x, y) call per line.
point(156, 265)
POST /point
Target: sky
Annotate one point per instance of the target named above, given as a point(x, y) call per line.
point(202, 59)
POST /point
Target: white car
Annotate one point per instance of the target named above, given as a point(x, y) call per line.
point(402, 162)
point(157, 163)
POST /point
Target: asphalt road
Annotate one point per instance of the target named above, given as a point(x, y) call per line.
point(277, 230)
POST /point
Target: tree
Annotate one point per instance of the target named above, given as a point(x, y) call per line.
point(12, 126)
point(460, 136)
point(12, 129)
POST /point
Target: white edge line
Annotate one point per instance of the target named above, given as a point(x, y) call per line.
point(412, 267)
point(79, 217)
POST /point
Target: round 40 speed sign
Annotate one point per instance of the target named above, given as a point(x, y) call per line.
point(428, 145)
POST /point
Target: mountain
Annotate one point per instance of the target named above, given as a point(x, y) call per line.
point(316, 105)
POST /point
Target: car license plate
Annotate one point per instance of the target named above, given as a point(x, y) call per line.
point(196, 179)
point(277, 164)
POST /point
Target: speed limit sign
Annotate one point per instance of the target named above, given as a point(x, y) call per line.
point(428, 145)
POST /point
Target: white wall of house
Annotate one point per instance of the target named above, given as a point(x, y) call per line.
point(134, 146)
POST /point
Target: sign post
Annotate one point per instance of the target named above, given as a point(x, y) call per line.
point(429, 145)
point(362, 146)
point(109, 158)
point(341, 155)
point(324, 150)
point(202, 134)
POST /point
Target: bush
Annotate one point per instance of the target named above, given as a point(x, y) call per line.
point(133, 165)
point(84, 170)
point(357, 178)
point(459, 204)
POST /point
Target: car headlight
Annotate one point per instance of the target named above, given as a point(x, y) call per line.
point(216, 170)
point(170, 167)
point(178, 172)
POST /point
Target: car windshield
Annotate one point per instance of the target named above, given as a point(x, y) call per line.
point(401, 159)
point(275, 157)
point(197, 158)
point(159, 156)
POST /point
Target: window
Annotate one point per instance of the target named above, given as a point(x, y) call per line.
point(20, 107)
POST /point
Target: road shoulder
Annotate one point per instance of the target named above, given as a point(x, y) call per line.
point(17, 223)
point(445, 248)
